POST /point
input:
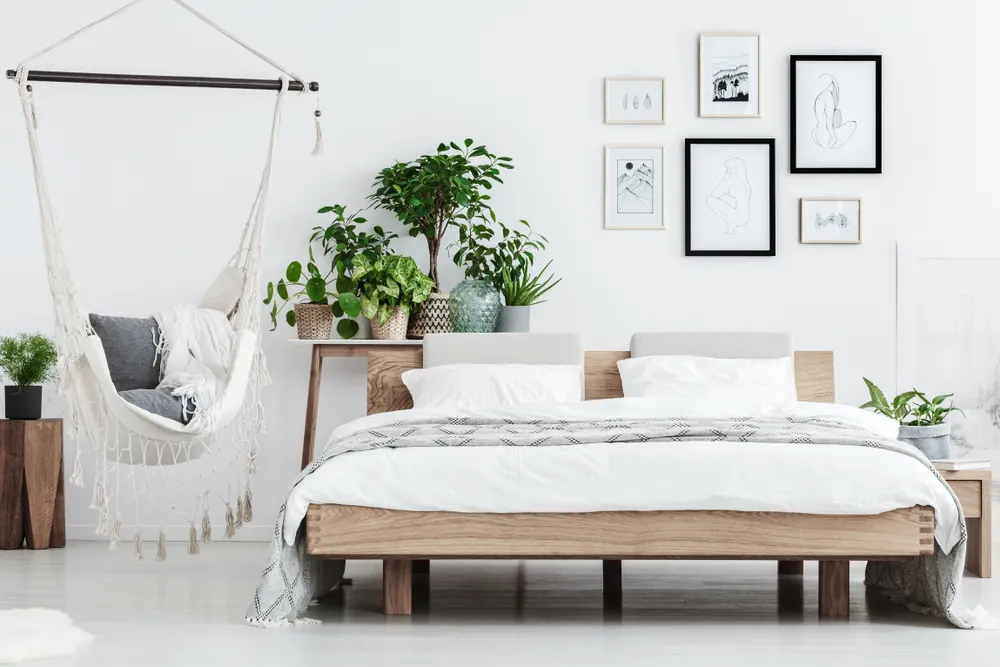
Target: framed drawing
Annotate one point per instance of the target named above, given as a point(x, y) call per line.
point(836, 114)
point(633, 187)
point(830, 220)
point(638, 101)
point(729, 75)
point(729, 200)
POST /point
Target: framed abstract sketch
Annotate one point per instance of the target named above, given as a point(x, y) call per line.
point(729, 75)
point(636, 101)
point(729, 200)
point(633, 187)
point(830, 220)
point(836, 114)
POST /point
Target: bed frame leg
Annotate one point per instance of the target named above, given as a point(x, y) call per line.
point(612, 584)
point(397, 582)
point(790, 567)
point(834, 588)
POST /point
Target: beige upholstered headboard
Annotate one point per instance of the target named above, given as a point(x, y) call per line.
point(386, 391)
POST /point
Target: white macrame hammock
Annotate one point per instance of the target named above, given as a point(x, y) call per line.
point(132, 447)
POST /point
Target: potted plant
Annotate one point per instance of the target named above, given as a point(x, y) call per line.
point(342, 240)
point(429, 195)
point(502, 256)
point(312, 292)
point(921, 420)
point(388, 289)
point(27, 360)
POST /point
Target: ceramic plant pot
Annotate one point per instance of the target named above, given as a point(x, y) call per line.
point(933, 441)
point(313, 321)
point(23, 402)
point(514, 319)
point(394, 327)
point(475, 307)
point(431, 316)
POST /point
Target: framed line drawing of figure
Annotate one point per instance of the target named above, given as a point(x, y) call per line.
point(836, 114)
point(729, 206)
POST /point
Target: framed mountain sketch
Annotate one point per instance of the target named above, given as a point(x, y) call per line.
point(633, 187)
point(729, 200)
point(729, 75)
point(836, 114)
point(634, 100)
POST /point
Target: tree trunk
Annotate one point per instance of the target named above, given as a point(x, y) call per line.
point(433, 248)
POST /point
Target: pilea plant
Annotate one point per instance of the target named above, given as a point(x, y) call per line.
point(310, 285)
point(436, 191)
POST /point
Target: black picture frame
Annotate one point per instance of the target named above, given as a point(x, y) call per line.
point(688, 252)
point(793, 62)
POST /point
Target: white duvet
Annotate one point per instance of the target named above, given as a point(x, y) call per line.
point(631, 476)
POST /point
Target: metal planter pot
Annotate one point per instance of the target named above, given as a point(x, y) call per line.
point(514, 319)
point(933, 441)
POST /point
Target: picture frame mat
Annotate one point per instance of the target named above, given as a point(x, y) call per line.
point(608, 151)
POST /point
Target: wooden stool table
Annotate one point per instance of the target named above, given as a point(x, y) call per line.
point(32, 504)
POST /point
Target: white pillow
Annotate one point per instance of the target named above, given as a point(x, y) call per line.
point(723, 381)
point(489, 385)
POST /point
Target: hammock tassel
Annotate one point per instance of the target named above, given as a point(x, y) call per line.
point(206, 527)
point(230, 522)
point(239, 512)
point(248, 506)
point(193, 548)
point(116, 532)
point(318, 148)
point(161, 547)
point(137, 550)
point(76, 479)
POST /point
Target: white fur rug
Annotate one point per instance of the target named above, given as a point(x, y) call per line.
point(26, 634)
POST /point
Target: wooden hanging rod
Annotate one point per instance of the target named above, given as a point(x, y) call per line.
point(158, 80)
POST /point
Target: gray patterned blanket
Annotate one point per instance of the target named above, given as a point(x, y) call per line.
point(291, 578)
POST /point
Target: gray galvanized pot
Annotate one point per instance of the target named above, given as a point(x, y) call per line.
point(933, 441)
point(514, 319)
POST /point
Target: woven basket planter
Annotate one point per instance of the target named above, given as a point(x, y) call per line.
point(313, 321)
point(432, 316)
point(393, 329)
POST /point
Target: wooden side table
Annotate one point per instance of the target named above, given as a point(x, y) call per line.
point(32, 504)
point(974, 489)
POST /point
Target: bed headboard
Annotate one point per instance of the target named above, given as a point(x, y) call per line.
point(386, 391)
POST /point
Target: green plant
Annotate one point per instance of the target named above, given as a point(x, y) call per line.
point(433, 192)
point(315, 286)
point(28, 359)
point(910, 405)
point(490, 250)
point(523, 289)
point(389, 283)
point(342, 241)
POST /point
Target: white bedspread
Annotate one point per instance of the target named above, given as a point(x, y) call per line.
point(631, 476)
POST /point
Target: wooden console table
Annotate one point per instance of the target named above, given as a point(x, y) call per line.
point(32, 505)
point(336, 348)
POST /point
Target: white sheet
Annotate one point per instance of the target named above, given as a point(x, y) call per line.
point(809, 478)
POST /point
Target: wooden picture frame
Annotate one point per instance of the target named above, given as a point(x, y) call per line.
point(804, 221)
point(828, 138)
point(703, 110)
point(608, 101)
point(689, 249)
point(629, 155)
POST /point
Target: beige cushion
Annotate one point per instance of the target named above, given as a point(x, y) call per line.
point(727, 345)
point(503, 348)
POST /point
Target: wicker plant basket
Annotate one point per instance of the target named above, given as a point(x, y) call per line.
point(432, 316)
point(313, 321)
point(393, 329)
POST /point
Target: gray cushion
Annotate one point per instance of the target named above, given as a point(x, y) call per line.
point(503, 348)
point(129, 344)
point(158, 401)
point(726, 345)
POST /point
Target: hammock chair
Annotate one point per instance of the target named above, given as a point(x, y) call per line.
point(130, 445)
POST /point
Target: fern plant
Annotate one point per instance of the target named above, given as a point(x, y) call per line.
point(28, 359)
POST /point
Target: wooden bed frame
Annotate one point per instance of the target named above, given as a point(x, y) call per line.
point(402, 538)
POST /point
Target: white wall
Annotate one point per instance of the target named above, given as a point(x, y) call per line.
point(153, 184)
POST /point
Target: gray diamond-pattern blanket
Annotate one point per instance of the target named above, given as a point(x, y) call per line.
point(291, 578)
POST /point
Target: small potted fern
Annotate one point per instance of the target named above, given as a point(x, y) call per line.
point(27, 360)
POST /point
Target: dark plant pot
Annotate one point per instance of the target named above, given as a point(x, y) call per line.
point(23, 402)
